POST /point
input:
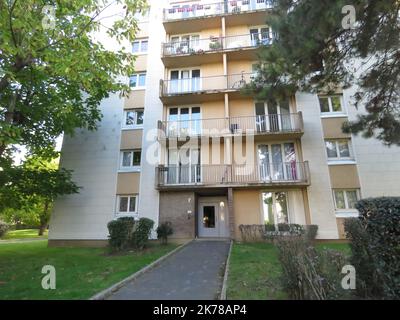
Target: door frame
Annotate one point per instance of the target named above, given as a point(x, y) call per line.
point(223, 224)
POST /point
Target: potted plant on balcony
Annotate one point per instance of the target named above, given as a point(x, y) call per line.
point(215, 43)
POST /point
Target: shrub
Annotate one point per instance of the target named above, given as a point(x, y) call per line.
point(163, 231)
point(309, 273)
point(311, 231)
point(375, 247)
point(253, 232)
point(3, 228)
point(141, 233)
point(120, 232)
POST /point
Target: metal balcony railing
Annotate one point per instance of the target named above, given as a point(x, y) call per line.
point(196, 10)
point(204, 84)
point(214, 44)
point(214, 175)
point(261, 124)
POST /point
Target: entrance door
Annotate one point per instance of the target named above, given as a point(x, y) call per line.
point(213, 218)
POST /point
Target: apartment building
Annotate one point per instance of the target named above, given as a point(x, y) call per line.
point(188, 147)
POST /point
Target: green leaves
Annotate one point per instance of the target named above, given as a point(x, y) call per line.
point(314, 53)
point(58, 76)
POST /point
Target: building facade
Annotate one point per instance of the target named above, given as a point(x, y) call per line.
point(188, 147)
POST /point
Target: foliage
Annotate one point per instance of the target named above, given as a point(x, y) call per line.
point(252, 233)
point(18, 218)
point(3, 228)
point(126, 232)
point(33, 187)
point(120, 232)
point(375, 238)
point(141, 233)
point(309, 273)
point(164, 230)
point(53, 79)
point(312, 52)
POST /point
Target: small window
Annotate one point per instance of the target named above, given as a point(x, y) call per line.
point(138, 80)
point(345, 199)
point(127, 204)
point(338, 149)
point(331, 104)
point(133, 118)
point(130, 159)
point(140, 46)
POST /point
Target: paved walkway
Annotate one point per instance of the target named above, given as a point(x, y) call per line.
point(193, 273)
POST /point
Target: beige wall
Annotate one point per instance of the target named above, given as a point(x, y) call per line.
point(332, 128)
point(128, 183)
point(247, 208)
point(239, 108)
point(141, 63)
point(143, 30)
point(135, 99)
point(131, 139)
point(344, 176)
point(236, 67)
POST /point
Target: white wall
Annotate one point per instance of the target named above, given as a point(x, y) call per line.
point(313, 146)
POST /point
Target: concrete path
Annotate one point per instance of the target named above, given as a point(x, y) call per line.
point(193, 273)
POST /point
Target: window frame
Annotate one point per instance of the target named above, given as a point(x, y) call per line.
point(127, 213)
point(135, 125)
point(346, 209)
point(137, 76)
point(338, 158)
point(140, 48)
point(331, 112)
point(275, 212)
point(132, 167)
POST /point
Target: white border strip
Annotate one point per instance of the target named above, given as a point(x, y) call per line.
point(107, 292)
point(225, 282)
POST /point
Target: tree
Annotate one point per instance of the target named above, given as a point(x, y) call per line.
point(313, 51)
point(53, 73)
point(33, 187)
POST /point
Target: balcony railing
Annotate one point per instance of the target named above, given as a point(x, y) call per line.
point(217, 175)
point(214, 44)
point(261, 124)
point(196, 10)
point(204, 84)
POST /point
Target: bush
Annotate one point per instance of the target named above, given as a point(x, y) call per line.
point(120, 232)
point(309, 273)
point(141, 233)
point(163, 231)
point(3, 228)
point(375, 239)
point(268, 231)
point(253, 232)
point(311, 231)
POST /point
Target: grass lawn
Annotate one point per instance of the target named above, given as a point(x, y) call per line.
point(80, 272)
point(254, 271)
point(23, 234)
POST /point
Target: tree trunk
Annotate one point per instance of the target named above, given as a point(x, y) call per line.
point(44, 219)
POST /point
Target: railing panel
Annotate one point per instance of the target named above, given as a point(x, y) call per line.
point(264, 173)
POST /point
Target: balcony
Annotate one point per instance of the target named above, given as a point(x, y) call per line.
point(196, 51)
point(202, 89)
point(189, 16)
point(277, 126)
point(260, 175)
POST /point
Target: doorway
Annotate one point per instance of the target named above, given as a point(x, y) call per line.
point(213, 218)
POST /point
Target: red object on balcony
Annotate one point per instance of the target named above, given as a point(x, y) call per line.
point(294, 170)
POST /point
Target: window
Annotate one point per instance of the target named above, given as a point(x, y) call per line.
point(133, 118)
point(127, 204)
point(138, 80)
point(345, 199)
point(260, 36)
point(275, 208)
point(338, 149)
point(140, 46)
point(331, 104)
point(130, 159)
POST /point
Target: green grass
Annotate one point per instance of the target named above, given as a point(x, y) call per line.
point(80, 272)
point(254, 271)
point(23, 234)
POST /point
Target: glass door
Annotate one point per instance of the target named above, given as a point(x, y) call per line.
point(174, 82)
point(284, 109)
point(185, 81)
point(196, 80)
point(277, 164)
point(260, 117)
point(263, 160)
point(275, 207)
point(273, 117)
point(172, 173)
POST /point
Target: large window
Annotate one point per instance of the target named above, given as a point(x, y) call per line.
point(260, 36)
point(184, 121)
point(275, 206)
point(138, 80)
point(345, 199)
point(338, 149)
point(331, 104)
point(127, 204)
point(133, 118)
point(130, 159)
point(140, 46)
